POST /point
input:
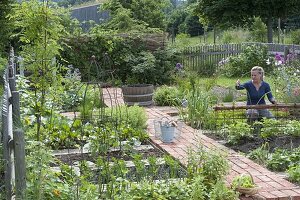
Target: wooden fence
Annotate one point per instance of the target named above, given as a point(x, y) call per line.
point(12, 136)
point(204, 59)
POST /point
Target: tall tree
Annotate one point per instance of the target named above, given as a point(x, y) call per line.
point(238, 12)
point(6, 24)
point(144, 11)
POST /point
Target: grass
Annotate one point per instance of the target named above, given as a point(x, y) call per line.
point(226, 82)
point(237, 35)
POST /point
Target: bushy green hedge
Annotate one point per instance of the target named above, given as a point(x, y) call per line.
point(241, 64)
point(129, 58)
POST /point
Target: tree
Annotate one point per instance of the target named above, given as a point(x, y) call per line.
point(39, 26)
point(142, 11)
point(6, 24)
point(238, 12)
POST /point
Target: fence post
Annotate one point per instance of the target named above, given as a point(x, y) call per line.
point(286, 52)
point(18, 141)
point(20, 173)
point(6, 139)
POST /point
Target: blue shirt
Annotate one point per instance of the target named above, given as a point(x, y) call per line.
point(254, 96)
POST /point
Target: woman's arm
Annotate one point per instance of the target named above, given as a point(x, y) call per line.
point(269, 94)
point(239, 86)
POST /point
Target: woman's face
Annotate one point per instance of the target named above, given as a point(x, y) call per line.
point(256, 76)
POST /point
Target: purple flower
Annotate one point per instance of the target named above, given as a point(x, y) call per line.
point(278, 57)
point(179, 66)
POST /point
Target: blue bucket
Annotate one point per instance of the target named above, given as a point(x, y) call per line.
point(167, 133)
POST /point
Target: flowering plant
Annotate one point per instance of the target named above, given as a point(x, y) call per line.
point(288, 74)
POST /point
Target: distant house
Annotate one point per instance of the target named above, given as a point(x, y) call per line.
point(85, 14)
point(177, 3)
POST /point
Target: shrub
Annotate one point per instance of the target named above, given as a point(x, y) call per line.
point(234, 133)
point(135, 116)
point(167, 96)
point(294, 173)
point(241, 64)
point(122, 56)
point(221, 192)
point(295, 35)
point(258, 30)
point(235, 36)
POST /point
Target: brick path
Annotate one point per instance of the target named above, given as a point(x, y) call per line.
point(272, 186)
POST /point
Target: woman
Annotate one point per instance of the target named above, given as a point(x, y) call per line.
point(257, 89)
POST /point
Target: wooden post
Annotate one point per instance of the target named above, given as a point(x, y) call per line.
point(286, 52)
point(6, 151)
point(20, 172)
point(16, 109)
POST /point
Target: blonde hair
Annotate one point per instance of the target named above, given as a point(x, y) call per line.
point(260, 70)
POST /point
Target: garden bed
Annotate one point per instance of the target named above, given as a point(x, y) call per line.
point(70, 156)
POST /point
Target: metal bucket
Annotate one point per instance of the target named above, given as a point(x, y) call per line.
point(167, 133)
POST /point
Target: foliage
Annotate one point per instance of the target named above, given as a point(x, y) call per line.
point(235, 13)
point(167, 96)
point(175, 21)
point(147, 12)
point(72, 84)
point(295, 35)
point(234, 35)
point(192, 26)
point(42, 182)
point(6, 24)
point(279, 160)
point(161, 190)
point(261, 154)
point(211, 165)
point(119, 56)
point(221, 192)
point(287, 75)
point(67, 3)
point(40, 27)
point(294, 173)
point(234, 133)
point(134, 116)
point(199, 106)
point(258, 30)
point(243, 180)
point(241, 64)
point(272, 127)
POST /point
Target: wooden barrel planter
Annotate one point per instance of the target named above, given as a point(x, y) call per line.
point(138, 94)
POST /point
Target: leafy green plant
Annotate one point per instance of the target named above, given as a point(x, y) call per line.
point(39, 27)
point(295, 35)
point(271, 127)
point(167, 96)
point(199, 106)
point(294, 173)
point(279, 160)
point(42, 182)
point(258, 30)
point(261, 154)
point(211, 165)
point(135, 116)
point(234, 133)
point(244, 181)
point(242, 63)
point(229, 96)
point(221, 192)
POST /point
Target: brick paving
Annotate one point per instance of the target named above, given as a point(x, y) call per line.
point(272, 185)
